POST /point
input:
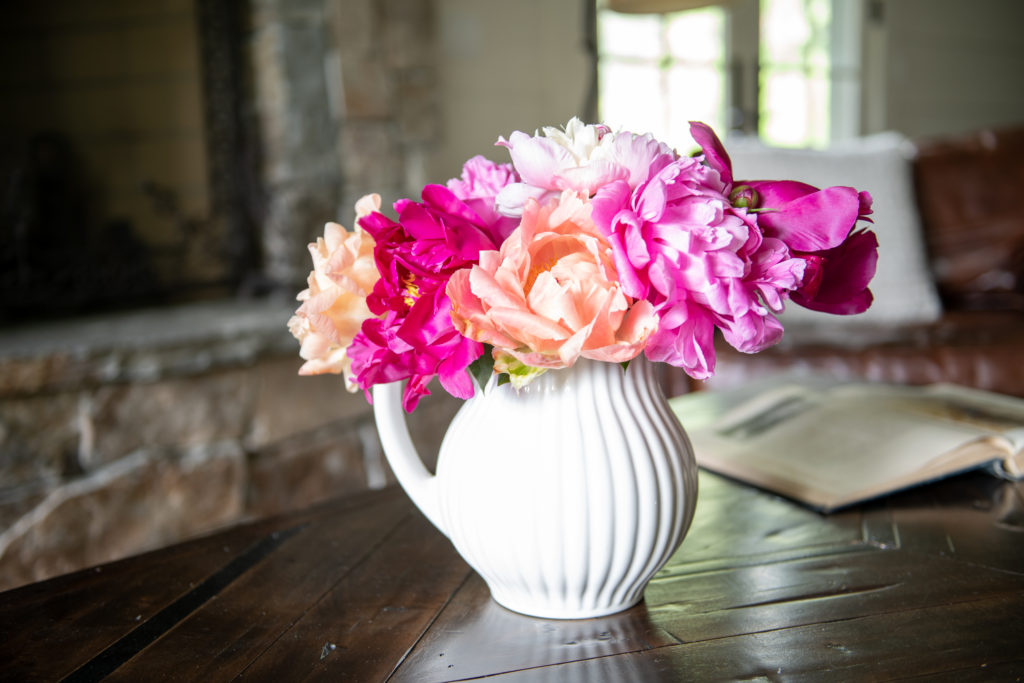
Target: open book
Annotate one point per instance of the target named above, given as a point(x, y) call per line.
point(831, 446)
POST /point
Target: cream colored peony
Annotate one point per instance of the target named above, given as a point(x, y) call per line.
point(334, 305)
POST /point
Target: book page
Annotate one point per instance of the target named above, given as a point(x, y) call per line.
point(829, 447)
point(999, 413)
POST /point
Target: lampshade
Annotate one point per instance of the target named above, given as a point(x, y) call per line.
point(657, 6)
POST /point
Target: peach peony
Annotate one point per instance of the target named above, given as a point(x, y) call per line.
point(334, 305)
point(551, 294)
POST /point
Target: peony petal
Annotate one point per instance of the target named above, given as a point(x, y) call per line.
point(452, 372)
point(639, 323)
point(527, 326)
point(515, 196)
point(814, 222)
point(536, 159)
point(590, 178)
point(607, 203)
point(841, 285)
point(714, 152)
point(776, 193)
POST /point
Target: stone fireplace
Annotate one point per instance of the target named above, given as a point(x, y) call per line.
point(188, 149)
point(162, 167)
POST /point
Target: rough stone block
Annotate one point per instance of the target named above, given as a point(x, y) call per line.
point(306, 469)
point(418, 118)
point(286, 404)
point(408, 36)
point(142, 345)
point(369, 90)
point(39, 438)
point(25, 375)
point(372, 159)
point(17, 501)
point(119, 419)
point(295, 217)
point(353, 26)
point(147, 500)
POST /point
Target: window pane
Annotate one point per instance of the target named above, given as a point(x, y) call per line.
point(795, 108)
point(678, 76)
point(697, 36)
point(785, 32)
point(796, 65)
point(631, 96)
point(629, 35)
point(695, 94)
point(657, 72)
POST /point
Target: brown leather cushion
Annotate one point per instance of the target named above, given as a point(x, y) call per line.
point(981, 349)
point(970, 193)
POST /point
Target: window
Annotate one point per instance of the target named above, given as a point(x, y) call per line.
point(658, 71)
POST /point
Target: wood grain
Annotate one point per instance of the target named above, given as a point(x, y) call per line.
point(926, 584)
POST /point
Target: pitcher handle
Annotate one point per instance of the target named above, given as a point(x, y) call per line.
point(405, 461)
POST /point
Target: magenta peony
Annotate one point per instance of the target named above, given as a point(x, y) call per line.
point(413, 337)
point(481, 182)
point(818, 226)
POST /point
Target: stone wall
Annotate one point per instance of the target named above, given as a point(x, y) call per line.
point(346, 97)
point(131, 432)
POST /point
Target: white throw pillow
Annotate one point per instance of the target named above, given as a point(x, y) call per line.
point(903, 287)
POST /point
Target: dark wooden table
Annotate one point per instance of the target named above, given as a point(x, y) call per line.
point(924, 583)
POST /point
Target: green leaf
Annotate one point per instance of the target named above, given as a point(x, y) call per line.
point(483, 367)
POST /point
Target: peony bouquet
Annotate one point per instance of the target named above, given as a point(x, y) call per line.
point(590, 243)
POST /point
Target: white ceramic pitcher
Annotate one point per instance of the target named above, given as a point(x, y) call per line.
point(565, 496)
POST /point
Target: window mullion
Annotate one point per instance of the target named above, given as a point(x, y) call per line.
point(743, 56)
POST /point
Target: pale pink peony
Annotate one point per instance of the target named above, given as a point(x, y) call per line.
point(551, 294)
point(334, 304)
point(582, 158)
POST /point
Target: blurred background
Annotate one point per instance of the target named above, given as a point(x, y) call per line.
point(163, 166)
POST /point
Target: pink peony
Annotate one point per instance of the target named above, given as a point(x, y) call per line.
point(334, 305)
point(479, 186)
point(816, 225)
point(413, 337)
point(583, 158)
point(680, 244)
point(551, 294)
point(838, 277)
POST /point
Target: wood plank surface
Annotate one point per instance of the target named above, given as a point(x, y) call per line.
point(363, 627)
point(220, 638)
point(474, 637)
point(753, 565)
point(80, 616)
point(926, 585)
point(977, 640)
